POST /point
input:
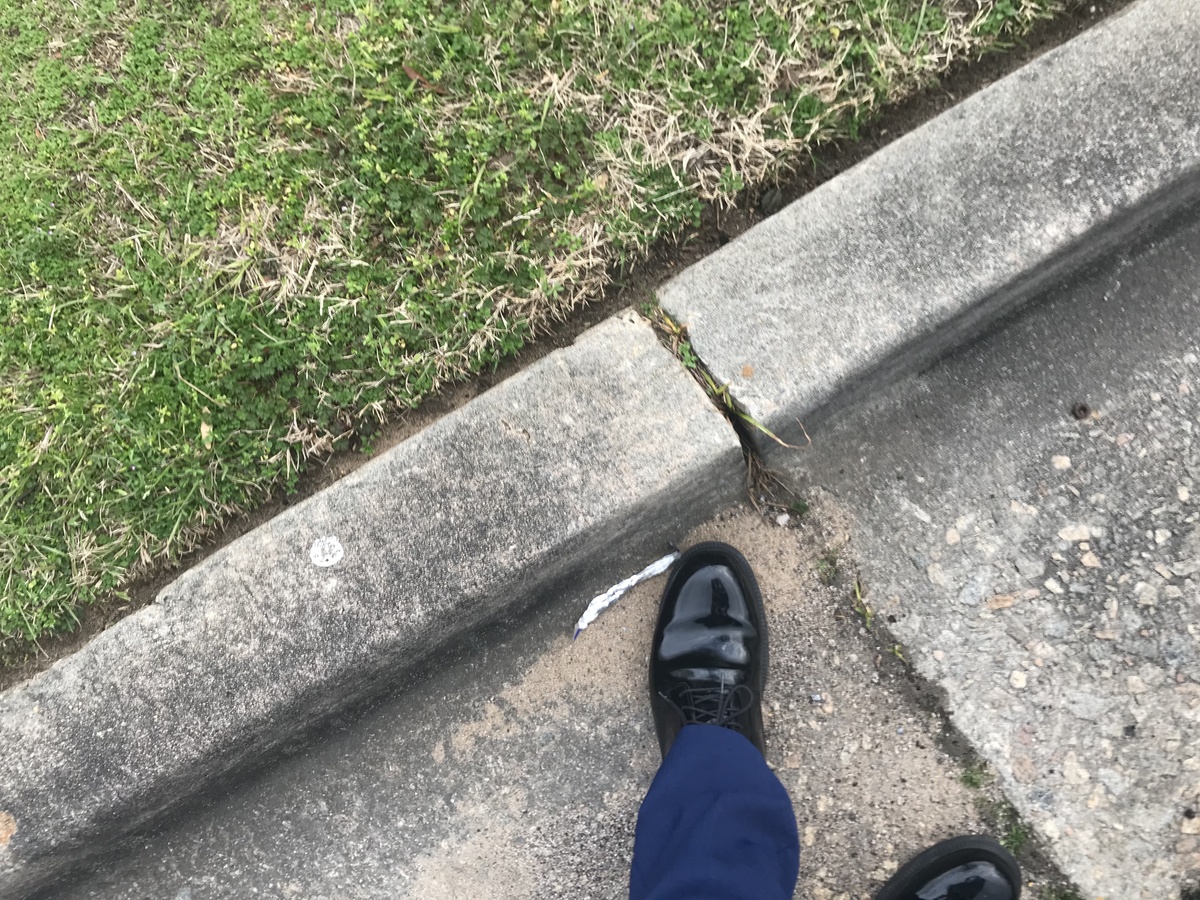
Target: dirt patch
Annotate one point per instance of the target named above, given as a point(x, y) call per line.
point(632, 286)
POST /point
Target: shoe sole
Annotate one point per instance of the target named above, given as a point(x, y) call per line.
point(946, 855)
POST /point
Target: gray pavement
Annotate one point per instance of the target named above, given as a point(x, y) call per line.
point(516, 768)
point(1043, 569)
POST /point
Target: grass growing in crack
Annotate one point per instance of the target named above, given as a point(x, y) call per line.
point(1065, 893)
point(234, 233)
point(798, 508)
point(1015, 837)
point(976, 775)
point(649, 309)
point(1002, 815)
point(1013, 833)
point(861, 607)
point(676, 338)
point(828, 565)
point(687, 356)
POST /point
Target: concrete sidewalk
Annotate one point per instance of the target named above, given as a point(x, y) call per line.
point(1042, 568)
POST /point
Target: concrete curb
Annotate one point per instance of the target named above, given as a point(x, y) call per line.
point(922, 245)
point(580, 468)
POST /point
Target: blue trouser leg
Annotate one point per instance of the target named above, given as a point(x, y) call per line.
point(715, 825)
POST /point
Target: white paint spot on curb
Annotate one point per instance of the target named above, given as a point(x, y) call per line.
point(326, 551)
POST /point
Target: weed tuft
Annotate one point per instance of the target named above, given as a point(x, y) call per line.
point(829, 565)
point(1069, 893)
point(976, 775)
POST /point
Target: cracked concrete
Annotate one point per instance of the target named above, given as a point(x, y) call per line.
point(914, 250)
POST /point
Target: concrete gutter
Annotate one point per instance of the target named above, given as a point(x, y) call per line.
point(922, 245)
point(579, 469)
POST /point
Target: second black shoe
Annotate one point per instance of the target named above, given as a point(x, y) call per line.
point(708, 661)
point(972, 867)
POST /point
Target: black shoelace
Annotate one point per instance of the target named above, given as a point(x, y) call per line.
point(715, 703)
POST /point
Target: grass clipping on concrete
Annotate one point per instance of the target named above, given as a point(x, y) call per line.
point(233, 231)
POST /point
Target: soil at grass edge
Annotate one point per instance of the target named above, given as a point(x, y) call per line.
point(634, 287)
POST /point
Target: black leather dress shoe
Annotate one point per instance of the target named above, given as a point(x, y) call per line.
point(962, 868)
point(708, 662)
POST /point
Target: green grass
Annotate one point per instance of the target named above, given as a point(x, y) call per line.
point(1062, 893)
point(828, 565)
point(235, 231)
point(860, 605)
point(1003, 817)
point(1014, 833)
point(1015, 837)
point(976, 775)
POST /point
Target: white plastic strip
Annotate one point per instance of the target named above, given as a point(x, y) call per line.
point(614, 593)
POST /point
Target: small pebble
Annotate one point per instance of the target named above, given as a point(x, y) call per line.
point(1018, 680)
point(1029, 568)
point(782, 519)
point(1060, 462)
point(1022, 509)
point(1183, 493)
point(1054, 587)
point(1075, 533)
point(1147, 595)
